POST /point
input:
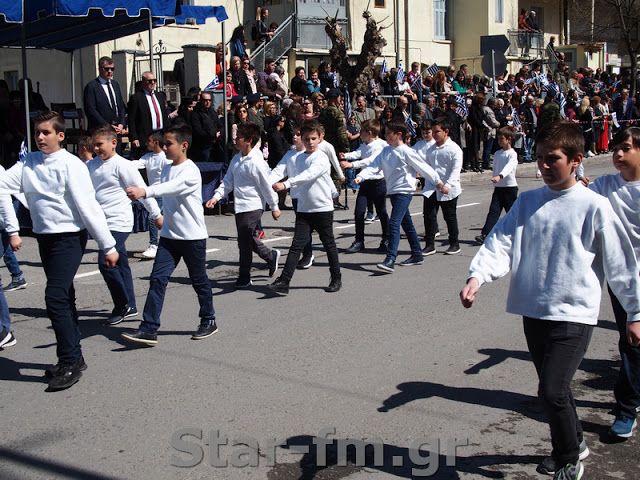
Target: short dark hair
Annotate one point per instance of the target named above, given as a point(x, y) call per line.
point(157, 136)
point(507, 132)
point(54, 118)
point(427, 124)
point(372, 126)
point(564, 135)
point(106, 131)
point(86, 141)
point(624, 135)
point(180, 130)
point(442, 122)
point(249, 131)
point(397, 126)
point(311, 126)
point(105, 61)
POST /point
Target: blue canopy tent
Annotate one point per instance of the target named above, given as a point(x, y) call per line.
point(68, 25)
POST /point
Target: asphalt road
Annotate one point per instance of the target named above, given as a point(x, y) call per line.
point(393, 360)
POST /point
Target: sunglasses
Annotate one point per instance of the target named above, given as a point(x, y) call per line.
point(205, 100)
point(109, 69)
point(153, 80)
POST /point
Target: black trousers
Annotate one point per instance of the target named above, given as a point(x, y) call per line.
point(321, 222)
point(248, 242)
point(430, 213)
point(371, 191)
point(503, 197)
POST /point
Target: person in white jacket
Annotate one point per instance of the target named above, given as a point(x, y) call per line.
point(559, 242)
point(248, 177)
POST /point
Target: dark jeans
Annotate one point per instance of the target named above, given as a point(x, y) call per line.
point(400, 216)
point(321, 222)
point(503, 197)
point(487, 145)
point(61, 255)
point(307, 251)
point(430, 213)
point(5, 317)
point(627, 389)
point(119, 279)
point(169, 254)
point(248, 242)
point(557, 348)
point(371, 191)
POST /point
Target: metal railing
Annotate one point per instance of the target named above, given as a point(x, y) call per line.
point(283, 39)
point(526, 44)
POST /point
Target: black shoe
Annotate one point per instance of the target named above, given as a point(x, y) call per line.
point(305, 262)
point(273, 266)
point(384, 246)
point(464, 170)
point(355, 247)
point(387, 265)
point(6, 337)
point(118, 316)
point(240, 283)
point(413, 260)
point(480, 239)
point(205, 330)
point(452, 250)
point(138, 336)
point(338, 206)
point(335, 285)
point(279, 286)
point(67, 376)
point(428, 250)
point(56, 369)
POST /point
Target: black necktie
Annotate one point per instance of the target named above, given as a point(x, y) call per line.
point(112, 99)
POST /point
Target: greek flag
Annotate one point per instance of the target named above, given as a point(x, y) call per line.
point(463, 111)
point(400, 74)
point(348, 109)
point(542, 78)
point(410, 127)
point(530, 80)
point(515, 117)
point(615, 84)
point(385, 67)
point(433, 69)
point(214, 84)
point(23, 150)
point(563, 104)
point(334, 78)
point(551, 90)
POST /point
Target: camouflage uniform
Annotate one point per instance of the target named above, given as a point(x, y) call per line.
point(335, 132)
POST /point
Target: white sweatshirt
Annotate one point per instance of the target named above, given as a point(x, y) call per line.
point(365, 154)
point(154, 163)
point(286, 168)
point(110, 180)
point(181, 190)
point(59, 194)
point(559, 246)
point(422, 146)
point(8, 219)
point(446, 160)
point(625, 199)
point(505, 163)
point(399, 166)
point(248, 178)
point(313, 182)
point(326, 148)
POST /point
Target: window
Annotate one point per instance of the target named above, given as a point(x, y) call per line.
point(379, 3)
point(499, 11)
point(441, 19)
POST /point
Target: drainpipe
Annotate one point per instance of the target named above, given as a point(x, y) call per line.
point(397, 25)
point(406, 35)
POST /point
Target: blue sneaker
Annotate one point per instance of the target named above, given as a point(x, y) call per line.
point(623, 426)
point(570, 472)
point(369, 218)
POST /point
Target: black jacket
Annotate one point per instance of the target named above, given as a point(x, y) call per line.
point(205, 124)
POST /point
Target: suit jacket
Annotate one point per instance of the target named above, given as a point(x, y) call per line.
point(97, 106)
point(618, 109)
point(140, 125)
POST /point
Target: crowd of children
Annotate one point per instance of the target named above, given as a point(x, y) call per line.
point(587, 234)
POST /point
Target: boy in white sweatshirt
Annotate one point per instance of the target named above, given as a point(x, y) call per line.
point(111, 175)
point(153, 162)
point(373, 190)
point(399, 163)
point(314, 188)
point(183, 235)
point(559, 242)
point(505, 162)
point(623, 191)
point(63, 207)
point(248, 177)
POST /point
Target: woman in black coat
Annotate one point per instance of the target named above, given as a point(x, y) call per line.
point(476, 116)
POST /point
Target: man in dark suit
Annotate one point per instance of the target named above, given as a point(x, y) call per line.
point(103, 103)
point(147, 113)
point(623, 108)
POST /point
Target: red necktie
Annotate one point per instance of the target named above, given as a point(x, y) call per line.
point(155, 107)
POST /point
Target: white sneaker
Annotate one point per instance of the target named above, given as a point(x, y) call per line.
point(150, 252)
point(590, 154)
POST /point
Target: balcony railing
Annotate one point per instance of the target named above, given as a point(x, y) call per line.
point(282, 40)
point(526, 44)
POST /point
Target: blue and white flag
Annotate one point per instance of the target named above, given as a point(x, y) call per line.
point(542, 78)
point(400, 74)
point(515, 117)
point(334, 78)
point(563, 104)
point(385, 67)
point(530, 80)
point(551, 90)
point(214, 84)
point(615, 84)
point(348, 109)
point(461, 100)
point(433, 69)
point(410, 127)
point(23, 150)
